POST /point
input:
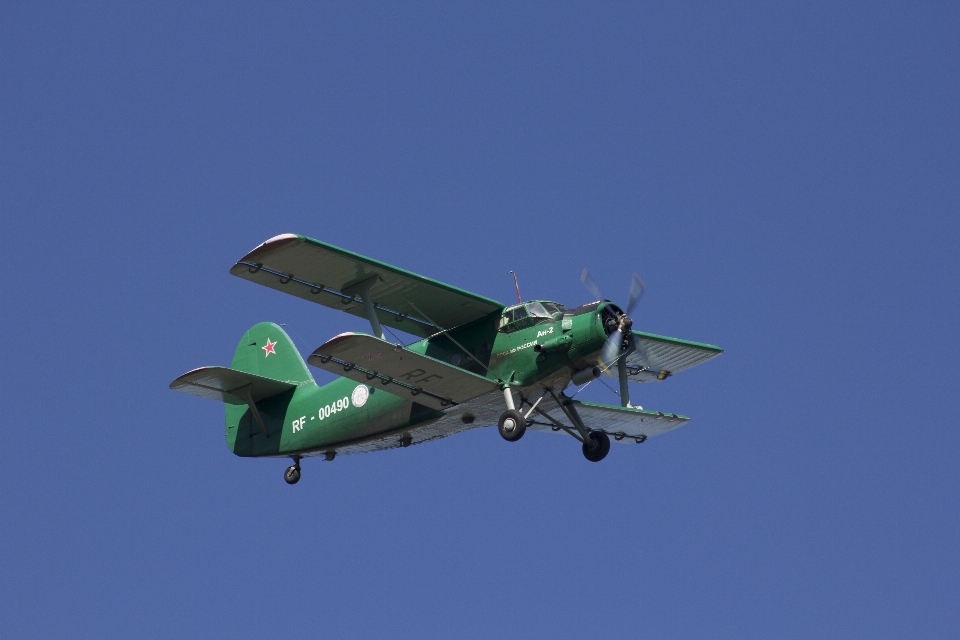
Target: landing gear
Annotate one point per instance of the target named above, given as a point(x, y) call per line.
point(512, 425)
point(292, 474)
point(596, 446)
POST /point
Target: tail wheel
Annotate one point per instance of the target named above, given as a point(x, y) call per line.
point(292, 474)
point(512, 425)
point(597, 446)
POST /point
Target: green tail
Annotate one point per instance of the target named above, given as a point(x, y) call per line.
point(266, 350)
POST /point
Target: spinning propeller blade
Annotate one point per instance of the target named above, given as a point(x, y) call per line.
point(590, 285)
point(611, 348)
point(637, 287)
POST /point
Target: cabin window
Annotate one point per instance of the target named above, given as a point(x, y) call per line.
point(512, 315)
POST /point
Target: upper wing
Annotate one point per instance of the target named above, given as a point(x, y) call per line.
point(334, 277)
point(657, 357)
point(619, 422)
point(426, 380)
point(223, 384)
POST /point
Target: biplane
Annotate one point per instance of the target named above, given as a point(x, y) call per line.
point(476, 363)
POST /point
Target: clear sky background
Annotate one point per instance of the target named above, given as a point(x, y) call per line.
point(783, 175)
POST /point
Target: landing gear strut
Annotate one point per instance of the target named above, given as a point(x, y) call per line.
point(596, 446)
point(292, 474)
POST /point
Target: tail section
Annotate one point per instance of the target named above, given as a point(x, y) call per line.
point(266, 350)
point(257, 389)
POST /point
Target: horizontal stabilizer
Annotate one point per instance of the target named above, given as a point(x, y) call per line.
point(412, 376)
point(623, 423)
point(229, 385)
point(337, 278)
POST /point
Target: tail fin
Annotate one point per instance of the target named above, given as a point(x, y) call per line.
point(266, 350)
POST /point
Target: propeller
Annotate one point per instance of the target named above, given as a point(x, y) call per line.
point(618, 325)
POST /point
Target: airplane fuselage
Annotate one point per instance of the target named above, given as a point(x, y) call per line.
point(530, 351)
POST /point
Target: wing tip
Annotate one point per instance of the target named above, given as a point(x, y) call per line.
point(181, 380)
point(269, 245)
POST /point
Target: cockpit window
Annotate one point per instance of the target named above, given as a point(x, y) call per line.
point(554, 308)
point(529, 314)
point(536, 310)
point(512, 315)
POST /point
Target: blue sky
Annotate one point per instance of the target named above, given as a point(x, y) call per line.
point(782, 175)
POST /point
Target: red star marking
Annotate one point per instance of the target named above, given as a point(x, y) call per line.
point(269, 348)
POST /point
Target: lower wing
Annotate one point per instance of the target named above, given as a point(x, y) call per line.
point(622, 423)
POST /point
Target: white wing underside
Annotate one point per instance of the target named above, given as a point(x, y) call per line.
point(622, 425)
point(659, 356)
point(482, 411)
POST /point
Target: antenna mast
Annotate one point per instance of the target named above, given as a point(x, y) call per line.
point(519, 300)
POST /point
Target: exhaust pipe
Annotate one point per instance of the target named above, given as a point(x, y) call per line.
point(560, 343)
point(585, 375)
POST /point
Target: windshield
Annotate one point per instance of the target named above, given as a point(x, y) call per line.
point(528, 314)
point(536, 310)
point(554, 308)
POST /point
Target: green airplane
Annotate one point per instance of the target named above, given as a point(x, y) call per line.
point(477, 363)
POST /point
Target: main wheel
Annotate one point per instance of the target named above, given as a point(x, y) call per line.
point(597, 448)
point(292, 474)
point(512, 425)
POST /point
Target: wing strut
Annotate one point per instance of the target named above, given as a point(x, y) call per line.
point(572, 415)
point(363, 288)
point(624, 387)
point(244, 394)
point(559, 425)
